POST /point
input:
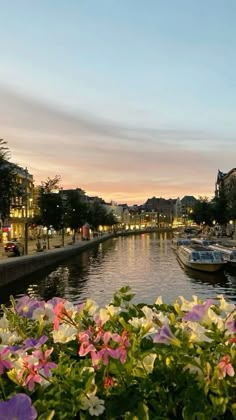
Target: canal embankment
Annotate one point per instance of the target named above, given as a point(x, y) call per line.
point(12, 269)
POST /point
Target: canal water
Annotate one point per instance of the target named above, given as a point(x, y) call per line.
point(144, 262)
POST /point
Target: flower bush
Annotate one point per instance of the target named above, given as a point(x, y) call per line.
point(123, 361)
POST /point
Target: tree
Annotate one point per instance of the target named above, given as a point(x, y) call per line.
point(232, 200)
point(221, 208)
point(76, 209)
point(97, 215)
point(50, 204)
point(8, 186)
point(51, 184)
point(4, 151)
point(203, 212)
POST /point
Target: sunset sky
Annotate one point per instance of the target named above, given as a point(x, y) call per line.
point(126, 99)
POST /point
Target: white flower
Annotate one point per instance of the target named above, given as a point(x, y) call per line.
point(113, 310)
point(90, 306)
point(9, 338)
point(147, 363)
point(142, 323)
point(188, 305)
point(108, 312)
point(103, 315)
point(225, 306)
point(159, 301)
point(93, 404)
point(149, 313)
point(45, 313)
point(64, 334)
point(4, 323)
point(216, 319)
point(195, 331)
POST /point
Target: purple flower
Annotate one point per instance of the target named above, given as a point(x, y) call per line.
point(26, 306)
point(30, 343)
point(55, 300)
point(165, 336)
point(198, 312)
point(19, 407)
point(231, 324)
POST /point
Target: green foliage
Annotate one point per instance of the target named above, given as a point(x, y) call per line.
point(77, 209)
point(97, 215)
point(221, 208)
point(9, 189)
point(203, 212)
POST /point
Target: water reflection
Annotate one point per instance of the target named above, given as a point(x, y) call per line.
point(146, 263)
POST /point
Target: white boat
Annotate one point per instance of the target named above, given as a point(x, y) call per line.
point(203, 241)
point(178, 241)
point(200, 258)
point(228, 252)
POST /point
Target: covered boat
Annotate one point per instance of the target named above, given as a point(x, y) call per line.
point(178, 241)
point(228, 252)
point(200, 258)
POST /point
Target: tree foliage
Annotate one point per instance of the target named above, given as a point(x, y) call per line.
point(203, 212)
point(98, 215)
point(8, 186)
point(76, 209)
point(232, 200)
point(220, 207)
point(50, 204)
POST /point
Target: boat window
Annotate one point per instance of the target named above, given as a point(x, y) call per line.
point(233, 255)
point(207, 256)
point(218, 256)
point(195, 256)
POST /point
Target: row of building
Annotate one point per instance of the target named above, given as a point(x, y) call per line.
point(155, 212)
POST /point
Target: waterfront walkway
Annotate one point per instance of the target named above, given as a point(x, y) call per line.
point(54, 243)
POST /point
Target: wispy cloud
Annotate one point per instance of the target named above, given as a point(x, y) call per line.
point(114, 161)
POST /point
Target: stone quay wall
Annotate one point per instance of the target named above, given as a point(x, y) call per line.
point(14, 268)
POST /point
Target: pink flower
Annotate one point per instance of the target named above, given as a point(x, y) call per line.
point(85, 348)
point(31, 374)
point(60, 313)
point(225, 367)
point(43, 362)
point(4, 363)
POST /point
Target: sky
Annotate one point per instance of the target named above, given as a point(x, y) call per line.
point(125, 99)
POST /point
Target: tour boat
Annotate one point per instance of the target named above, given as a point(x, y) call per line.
point(176, 242)
point(203, 241)
point(228, 252)
point(200, 258)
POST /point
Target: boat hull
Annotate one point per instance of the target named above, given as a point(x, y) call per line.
point(208, 268)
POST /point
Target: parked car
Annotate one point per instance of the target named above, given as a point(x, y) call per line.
point(14, 248)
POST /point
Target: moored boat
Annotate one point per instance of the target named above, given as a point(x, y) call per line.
point(203, 241)
point(228, 252)
point(178, 241)
point(200, 258)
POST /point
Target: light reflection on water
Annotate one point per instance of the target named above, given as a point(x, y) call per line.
point(144, 262)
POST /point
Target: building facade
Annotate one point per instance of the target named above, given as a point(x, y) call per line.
point(23, 206)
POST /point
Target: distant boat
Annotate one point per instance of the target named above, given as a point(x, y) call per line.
point(178, 241)
point(203, 241)
point(228, 252)
point(200, 258)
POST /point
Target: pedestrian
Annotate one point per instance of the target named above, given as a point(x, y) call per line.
point(44, 244)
